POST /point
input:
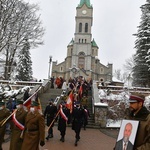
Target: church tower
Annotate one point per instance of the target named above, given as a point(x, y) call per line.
point(82, 51)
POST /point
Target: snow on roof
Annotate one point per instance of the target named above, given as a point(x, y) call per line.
point(114, 79)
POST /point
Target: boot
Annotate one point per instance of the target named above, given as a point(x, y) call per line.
point(62, 139)
point(76, 142)
point(47, 138)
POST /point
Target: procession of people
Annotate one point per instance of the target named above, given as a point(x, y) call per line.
point(28, 125)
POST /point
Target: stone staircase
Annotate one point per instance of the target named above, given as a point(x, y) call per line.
point(50, 94)
point(53, 93)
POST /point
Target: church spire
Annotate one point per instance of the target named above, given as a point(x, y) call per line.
point(86, 2)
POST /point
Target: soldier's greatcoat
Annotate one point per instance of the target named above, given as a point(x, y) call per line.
point(4, 113)
point(34, 131)
point(16, 141)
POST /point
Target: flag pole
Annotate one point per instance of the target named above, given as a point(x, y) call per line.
point(4, 121)
point(31, 96)
point(53, 120)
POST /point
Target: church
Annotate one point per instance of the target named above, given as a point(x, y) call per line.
point(82, 51)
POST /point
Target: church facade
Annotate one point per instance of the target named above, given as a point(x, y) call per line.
point(82, 51)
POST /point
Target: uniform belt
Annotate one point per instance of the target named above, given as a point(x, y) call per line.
point(31, 130)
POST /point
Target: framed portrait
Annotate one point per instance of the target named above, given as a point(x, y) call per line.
point(127, 135)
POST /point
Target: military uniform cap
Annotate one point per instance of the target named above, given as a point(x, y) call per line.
point(34, 103)
point(136, 99)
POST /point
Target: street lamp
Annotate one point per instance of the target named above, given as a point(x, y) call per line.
point(50, 61)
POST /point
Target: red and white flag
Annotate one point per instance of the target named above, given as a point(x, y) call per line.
point(69, 102)
point(17, 123)
point(62, 114)
point(80, 91)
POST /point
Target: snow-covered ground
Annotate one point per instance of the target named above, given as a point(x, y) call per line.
point(123, 97)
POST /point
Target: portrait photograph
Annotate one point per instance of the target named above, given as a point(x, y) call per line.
point(127, 135)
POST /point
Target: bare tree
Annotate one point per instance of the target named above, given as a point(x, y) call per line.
point(18, 22)
point(129, 64)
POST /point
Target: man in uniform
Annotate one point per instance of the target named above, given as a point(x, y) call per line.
point(17, 126)
point(50, 113)
point(34, 129)
point(140, 113)
point(77, 117)
point(4, 113)
point(63, 119)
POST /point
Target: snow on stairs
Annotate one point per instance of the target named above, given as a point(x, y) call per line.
point(91, 121)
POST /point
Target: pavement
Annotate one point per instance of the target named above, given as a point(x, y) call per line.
point(103, 139)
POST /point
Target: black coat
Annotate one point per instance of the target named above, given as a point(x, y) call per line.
point(77, 118)
point(119, 145)
point(61, 121)
point(49, 113)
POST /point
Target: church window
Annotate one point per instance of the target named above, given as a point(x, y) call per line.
point(92, 51)
point(102, 70)
point(85, 40)
point(71, 51)
point(80, 27)
point(82, 40)
point(61, 68)
point(79, 40)
point(81, 60)
point(86, 27)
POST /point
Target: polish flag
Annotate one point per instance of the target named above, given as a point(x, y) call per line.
point(80, 91)
point(62, 114)
point(17, 123)
point(69, 102)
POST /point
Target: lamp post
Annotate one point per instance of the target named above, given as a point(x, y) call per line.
point(50, 61)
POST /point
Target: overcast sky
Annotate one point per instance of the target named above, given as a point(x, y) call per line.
point(114, 23)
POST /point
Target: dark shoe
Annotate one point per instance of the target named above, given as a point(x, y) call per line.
point(47, 138)
point(76, 142)
point(63, 140)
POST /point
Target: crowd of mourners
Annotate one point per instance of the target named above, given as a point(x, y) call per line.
point(28, 125)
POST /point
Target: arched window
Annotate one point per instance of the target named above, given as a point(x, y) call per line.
point(80, 27)
point(102, 70)
point(61, 68)
point(92, 51)
point(79, 40)
point(81, 60)
point(86, 27)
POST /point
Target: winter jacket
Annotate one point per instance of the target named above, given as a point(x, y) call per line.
point(142, 141)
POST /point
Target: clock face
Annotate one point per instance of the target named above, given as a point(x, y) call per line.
point(84, 12)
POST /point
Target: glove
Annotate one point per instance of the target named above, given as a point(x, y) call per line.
point(42, 143)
